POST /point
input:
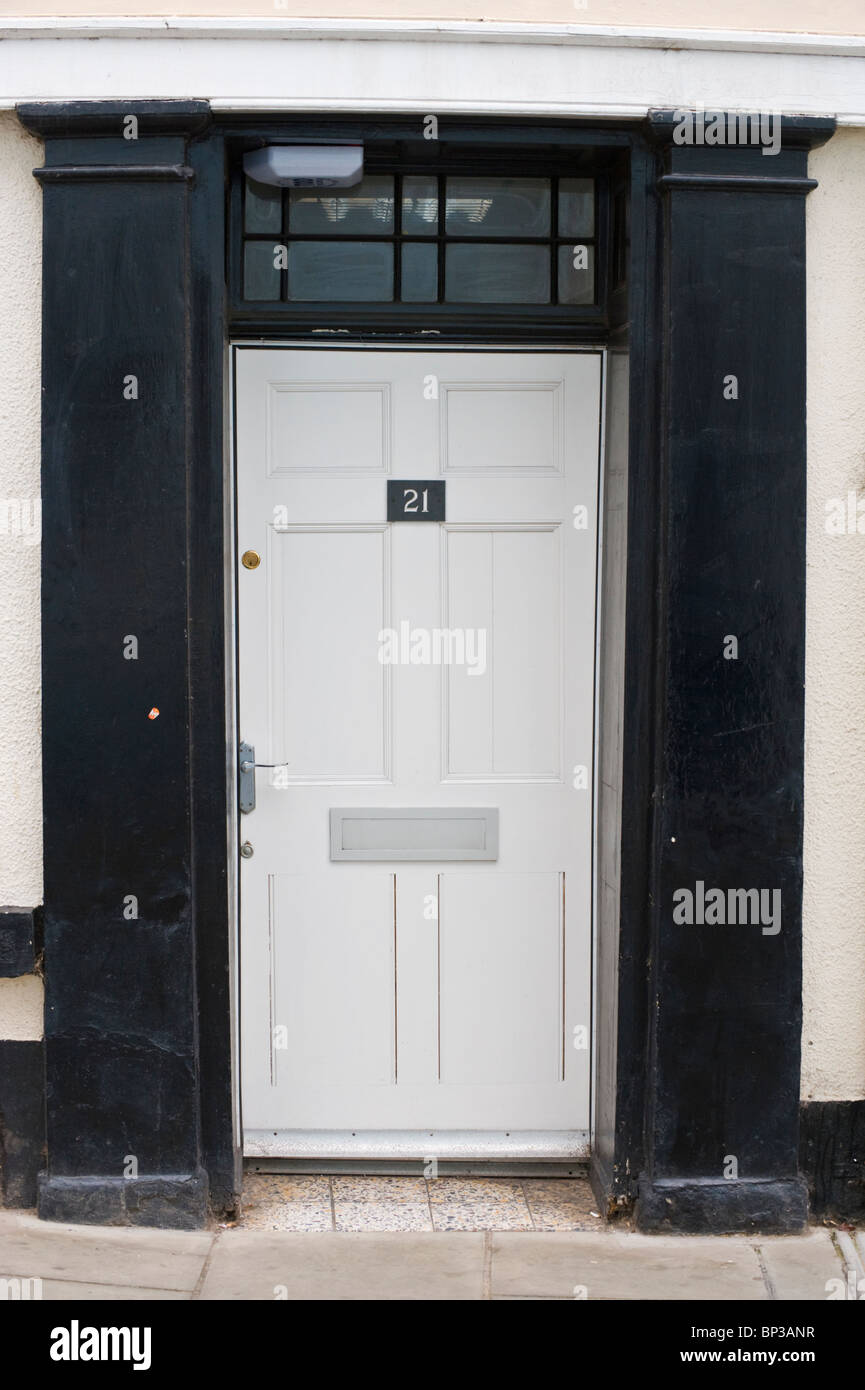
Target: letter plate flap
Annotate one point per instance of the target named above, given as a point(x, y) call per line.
point(414, 833)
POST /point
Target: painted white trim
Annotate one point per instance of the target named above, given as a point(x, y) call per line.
point(233, 822)
point(447, 1145)
point(594, 1028)
point(427, 69)
point(430, 31)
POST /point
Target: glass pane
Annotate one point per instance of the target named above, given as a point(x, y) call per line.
point(576, 274)
point(419, 281)
point(263, 210)
point(576, 207)
point(260, 275)
point(366, 209)
point(352, 270)
point(498, 207)
point(497, 274)
point(420, 205)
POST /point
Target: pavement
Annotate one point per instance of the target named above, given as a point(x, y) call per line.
point(236, 1263)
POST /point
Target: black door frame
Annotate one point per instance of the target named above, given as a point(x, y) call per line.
point(133, 513)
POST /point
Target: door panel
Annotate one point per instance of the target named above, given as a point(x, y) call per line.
point(326, 591)
point(505, 583)
point(416, 997)
point(501, 961)
point(332, 979)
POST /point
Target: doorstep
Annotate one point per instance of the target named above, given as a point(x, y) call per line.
point(414, 1203)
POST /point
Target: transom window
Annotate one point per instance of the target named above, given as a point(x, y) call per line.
point(422, 239)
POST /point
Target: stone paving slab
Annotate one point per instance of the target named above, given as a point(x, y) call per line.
point(63, 1291)
point(137, 1257)
point(799, 1267)
point(608, 1266)
point(337, 1265)
point(232, 1263)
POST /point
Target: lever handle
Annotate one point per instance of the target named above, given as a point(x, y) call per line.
point(246, 780)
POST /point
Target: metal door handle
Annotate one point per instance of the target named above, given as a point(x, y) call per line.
point(246, 781)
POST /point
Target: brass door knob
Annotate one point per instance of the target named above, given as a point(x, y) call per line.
point(250, 559)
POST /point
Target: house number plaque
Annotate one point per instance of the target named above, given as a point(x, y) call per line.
point(423, 500)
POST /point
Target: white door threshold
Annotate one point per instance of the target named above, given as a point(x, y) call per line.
point(443, 1144)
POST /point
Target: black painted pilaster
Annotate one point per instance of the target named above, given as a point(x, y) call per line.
point(721, 1126)
point(207, 647)
point(118, 435)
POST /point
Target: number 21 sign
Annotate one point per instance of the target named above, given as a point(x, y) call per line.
point(415, 501)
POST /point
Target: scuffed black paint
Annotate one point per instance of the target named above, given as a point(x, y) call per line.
point(20, 940)
point(179, 1202)
point(832, 1157)
point(22, 1121)
point(706, 1206)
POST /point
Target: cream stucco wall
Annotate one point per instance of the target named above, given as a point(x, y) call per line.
point(833, 1040)
point(21, 1008)
point(20, 789)
point(20, 289)
point(809, 16)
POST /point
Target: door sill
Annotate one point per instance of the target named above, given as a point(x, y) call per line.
point(399, 1146)
point(418, 1168)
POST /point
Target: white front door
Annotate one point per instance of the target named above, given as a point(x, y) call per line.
point(416, 910)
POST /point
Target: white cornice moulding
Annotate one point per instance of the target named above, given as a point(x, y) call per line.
point(410, 68)
point(431, 31)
